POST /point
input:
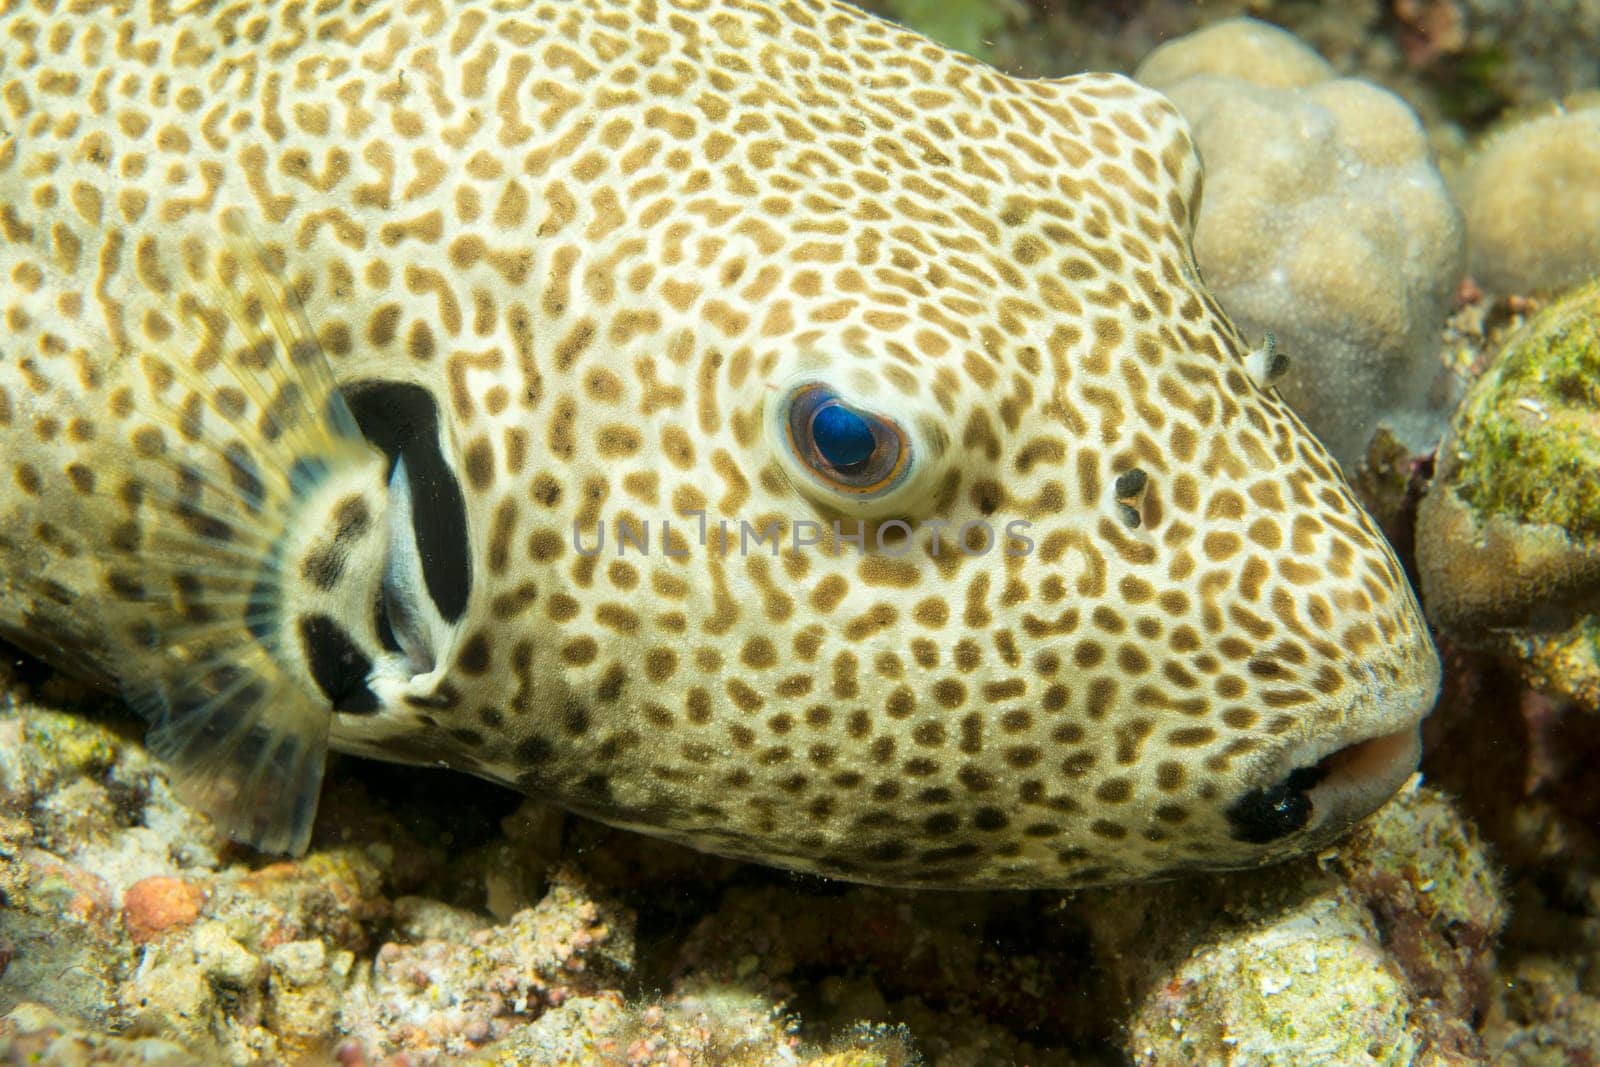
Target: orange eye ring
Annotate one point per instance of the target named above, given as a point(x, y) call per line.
point(846, 448)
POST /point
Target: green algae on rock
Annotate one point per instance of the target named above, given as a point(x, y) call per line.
point(1524, 442)
point(1508, 539)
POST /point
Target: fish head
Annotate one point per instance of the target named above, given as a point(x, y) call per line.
point(985, 558)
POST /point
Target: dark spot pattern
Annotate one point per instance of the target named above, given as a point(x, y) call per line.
point(555, 273)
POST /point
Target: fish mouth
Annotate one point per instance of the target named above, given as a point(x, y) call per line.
point(1354, 781)
point(1328, 787)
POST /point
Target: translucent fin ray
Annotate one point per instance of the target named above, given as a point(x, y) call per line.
point(237, 428)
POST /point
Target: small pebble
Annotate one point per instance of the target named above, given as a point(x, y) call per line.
point(155, 905)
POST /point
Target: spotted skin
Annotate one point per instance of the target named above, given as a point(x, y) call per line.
point(599, 234)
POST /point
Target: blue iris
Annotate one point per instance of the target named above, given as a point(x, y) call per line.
point(842, 437)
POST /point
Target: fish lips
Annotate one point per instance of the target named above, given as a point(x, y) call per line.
point(1316, 790)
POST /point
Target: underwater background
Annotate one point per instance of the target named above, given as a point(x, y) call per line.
point(1406, 194)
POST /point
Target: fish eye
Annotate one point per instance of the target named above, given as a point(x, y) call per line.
point(846, 448)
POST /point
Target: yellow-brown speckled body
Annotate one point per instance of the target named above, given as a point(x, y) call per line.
point(604, 236)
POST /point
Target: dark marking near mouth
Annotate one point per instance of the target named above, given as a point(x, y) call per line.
point(1264, 815)
point(338, 666)
point(402, 420)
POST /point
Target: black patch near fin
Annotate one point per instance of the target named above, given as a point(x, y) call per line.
point(402, 419)
point(338, 664)
point(246, 407)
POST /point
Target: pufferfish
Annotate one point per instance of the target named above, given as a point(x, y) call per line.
point(742, 421)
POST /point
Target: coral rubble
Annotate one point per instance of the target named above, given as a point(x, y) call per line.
point(383, 946)
point(1324, 223)
point(1532, 201)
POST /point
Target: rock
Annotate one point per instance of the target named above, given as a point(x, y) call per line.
point(62, 942)
point(225, 962)
point(1508, 537)
point(1381, 952)
point(1313, 981)
point(154, 906)
point(421, 919)
point(1429, 880)
point(304, 993)
point(32, 1033)
point(1550, 1020)
point(1244, 48)
point(1325, 223)
point(1532, 201)
point(451, 996)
